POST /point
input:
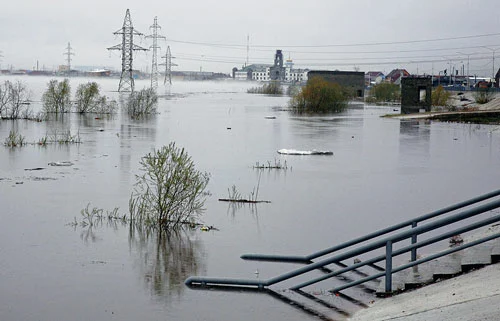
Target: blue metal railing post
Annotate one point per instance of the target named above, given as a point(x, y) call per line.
point(388, 267)
point(413, 241)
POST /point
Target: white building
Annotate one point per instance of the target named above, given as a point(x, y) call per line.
point(262, 73)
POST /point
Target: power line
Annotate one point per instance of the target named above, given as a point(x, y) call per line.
point(351, 62)
point(338, 45)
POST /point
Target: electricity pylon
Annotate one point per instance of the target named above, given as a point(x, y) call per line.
point(168, 66)
point(154, 65)
point(68, 55)
point(127, 48)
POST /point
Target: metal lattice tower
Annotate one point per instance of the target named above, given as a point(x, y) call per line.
point(68, 55)
point(168, 66)
point(127, 48)
point(154, 65)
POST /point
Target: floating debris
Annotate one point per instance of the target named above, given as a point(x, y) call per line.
point(63, 163)
point(37, 178)
point(270, 117)
point(304, 152)
point(34, 169)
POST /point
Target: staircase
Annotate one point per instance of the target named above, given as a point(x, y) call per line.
point(443, 268)
point(380, 265)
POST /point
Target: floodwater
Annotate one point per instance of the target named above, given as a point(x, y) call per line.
point(383, 171)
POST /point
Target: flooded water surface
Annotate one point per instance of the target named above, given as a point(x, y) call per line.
point(382, 171)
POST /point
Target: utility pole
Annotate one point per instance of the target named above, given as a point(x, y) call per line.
point(168, 66)
point(127, 48)
point(493, 60)
point(248, 49)
point(154, 65)
point(68, 55)
point(468, 60)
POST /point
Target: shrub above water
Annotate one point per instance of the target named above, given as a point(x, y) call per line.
point(143, 102)
point(385, 92)
point(14, 100)
point(170, 192)
point(319, 96)
point(272, 88)
point(89, 100)
point(56, 99)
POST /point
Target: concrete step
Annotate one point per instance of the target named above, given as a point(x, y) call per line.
point(398, 284)
point(419, 275)
point(495, 254)
point(476, 257)
point(447, 266)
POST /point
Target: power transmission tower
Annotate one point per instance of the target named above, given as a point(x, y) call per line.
point(68, 55)
point(168, 66)
point(127, 48)
point(154, 65)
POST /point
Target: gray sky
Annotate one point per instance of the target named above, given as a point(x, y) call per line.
point(212, 35)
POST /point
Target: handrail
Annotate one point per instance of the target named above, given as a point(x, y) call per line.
point(402, 250)
point(417, 262)
point(385, 242)
point(413, 222)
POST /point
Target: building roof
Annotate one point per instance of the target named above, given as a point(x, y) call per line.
point(374, 74)
point(395, 74)
point(256, 67)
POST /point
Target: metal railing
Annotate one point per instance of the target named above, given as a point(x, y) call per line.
point(374, 241)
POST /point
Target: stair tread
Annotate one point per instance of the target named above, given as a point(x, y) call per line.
point(478, 255)
point(447, 265)
point(495, 250)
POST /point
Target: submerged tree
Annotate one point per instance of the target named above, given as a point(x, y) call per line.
point(56, 99)
point(143, 102)
point(385, 92)
point(272, 88)
point(89, 100)
point(14, 100)
point(319, 96)
point(170, 192)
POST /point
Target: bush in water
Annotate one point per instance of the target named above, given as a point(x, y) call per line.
point(142, 103)
point(319, 96)
point(56, 99)
point(170, 192)
point(89, 100)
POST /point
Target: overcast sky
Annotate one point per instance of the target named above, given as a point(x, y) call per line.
point(212, 35)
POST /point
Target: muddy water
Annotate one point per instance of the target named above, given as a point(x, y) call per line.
point(382, 171)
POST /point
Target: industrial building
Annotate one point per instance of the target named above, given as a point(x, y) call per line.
point(281, 70)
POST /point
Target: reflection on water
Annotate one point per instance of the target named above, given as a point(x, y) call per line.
point(383, 171)
point(133, 134)
point(165, 260)
point(414, 146)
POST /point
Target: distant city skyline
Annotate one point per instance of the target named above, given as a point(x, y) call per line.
point(421, 36)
